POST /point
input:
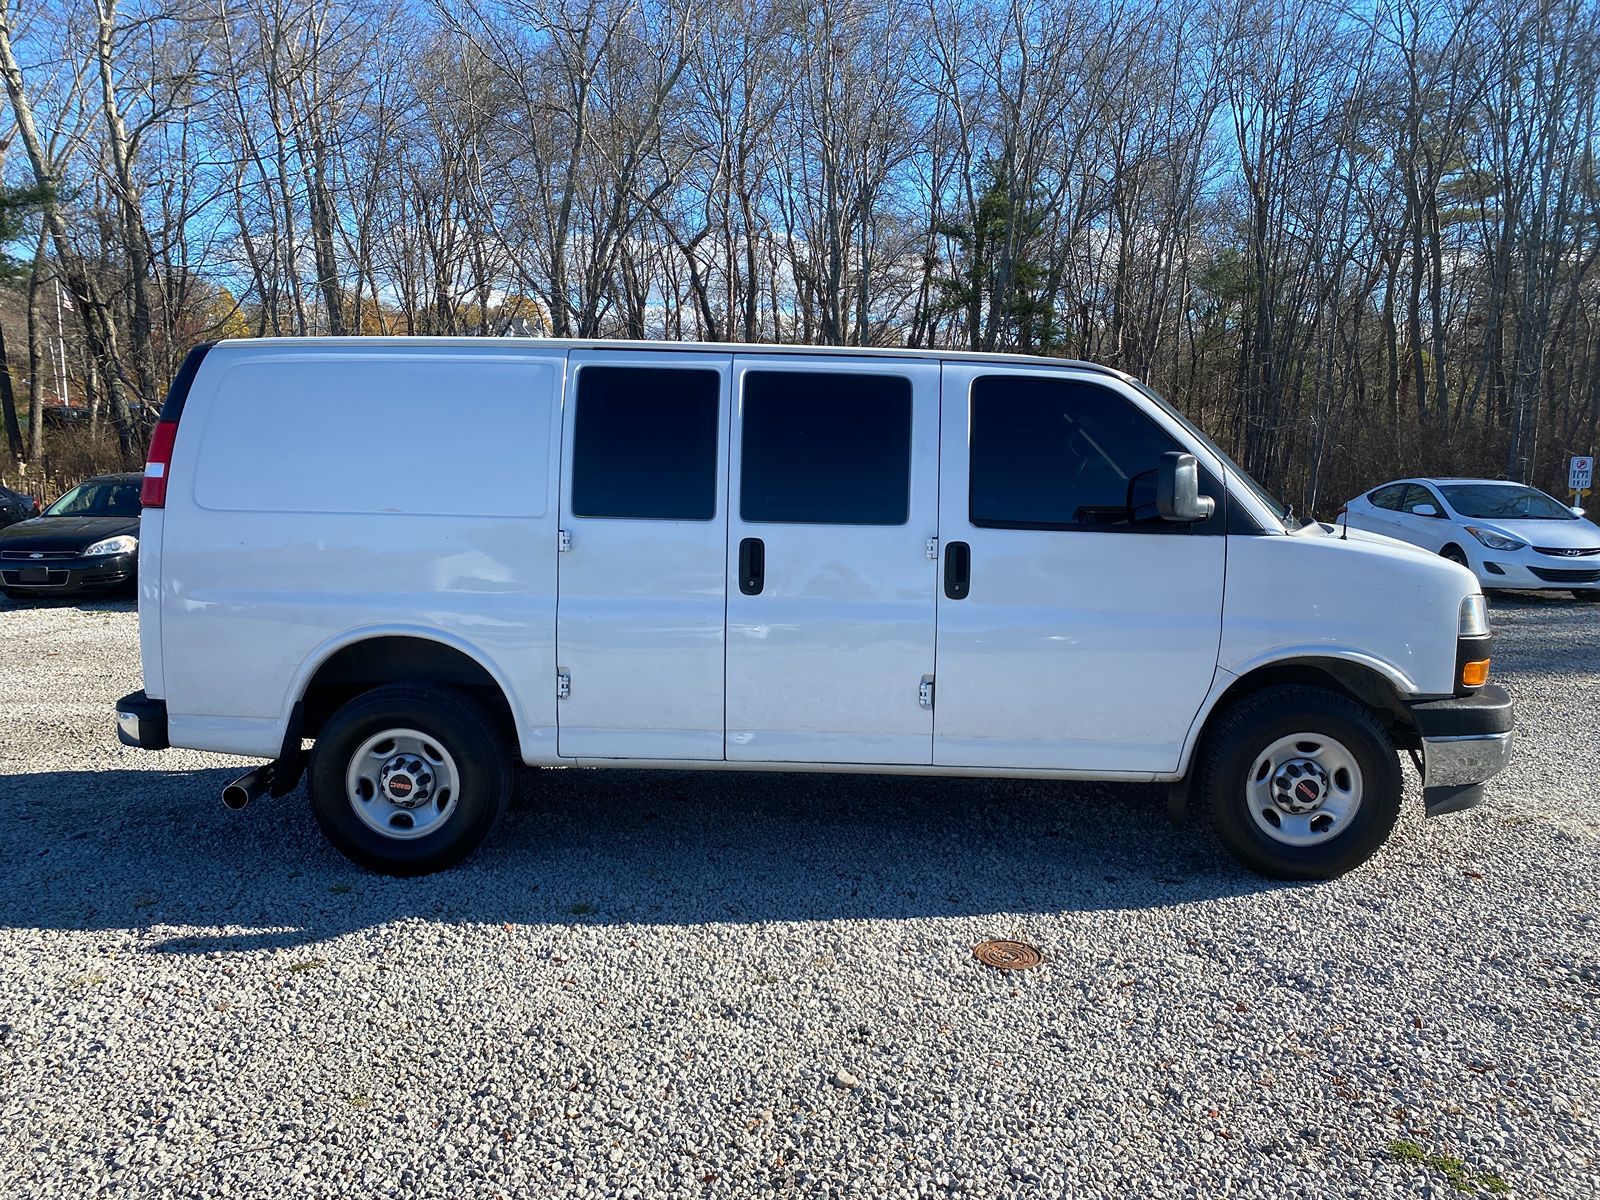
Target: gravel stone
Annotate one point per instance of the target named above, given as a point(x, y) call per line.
point(200, 1003)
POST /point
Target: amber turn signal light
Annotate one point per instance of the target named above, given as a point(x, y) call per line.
point(1475, 674)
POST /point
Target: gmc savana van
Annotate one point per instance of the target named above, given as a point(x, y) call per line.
point(434, 557)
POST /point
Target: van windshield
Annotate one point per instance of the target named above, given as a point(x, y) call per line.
point(1277, 507)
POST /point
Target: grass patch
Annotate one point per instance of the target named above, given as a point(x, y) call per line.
point(340, 889)
point(359, 1101)
point(86, 980)
point(310, 964)
point(581, 909)
point(144, 902)
point(1460, 1176)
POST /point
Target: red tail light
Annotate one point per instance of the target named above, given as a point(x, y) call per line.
point(153, 492)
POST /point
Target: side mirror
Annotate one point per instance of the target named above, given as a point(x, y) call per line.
point(1178, 495)
point(1576, 511)
point(1424, 510)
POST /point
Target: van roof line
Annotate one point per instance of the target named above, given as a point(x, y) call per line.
point(536, 343)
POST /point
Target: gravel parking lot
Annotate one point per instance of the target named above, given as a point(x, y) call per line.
point(747, 985)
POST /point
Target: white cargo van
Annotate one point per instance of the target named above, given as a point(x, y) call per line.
point(433, 558)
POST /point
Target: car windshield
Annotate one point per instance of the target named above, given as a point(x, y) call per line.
point(1507, 501)
point(98, 498)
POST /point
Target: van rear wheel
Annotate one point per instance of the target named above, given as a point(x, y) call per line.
point(1299, 782)
point(407, 779)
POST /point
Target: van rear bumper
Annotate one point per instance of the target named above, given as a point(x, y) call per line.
point(142, 722)
point(1466, 741)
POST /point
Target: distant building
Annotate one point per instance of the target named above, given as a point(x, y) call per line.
point(518, 327)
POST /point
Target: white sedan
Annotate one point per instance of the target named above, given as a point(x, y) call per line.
point(1509, 535)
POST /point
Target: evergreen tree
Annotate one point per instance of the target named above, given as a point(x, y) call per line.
point(998, 285)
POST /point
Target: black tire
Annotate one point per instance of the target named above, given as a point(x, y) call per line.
point(1238, 738)
point(466, 735)
point(1456, 555)
point(1590, 595)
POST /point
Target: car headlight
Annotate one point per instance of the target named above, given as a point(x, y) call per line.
point(1495, 541)
point(125, 544)
point(1473, 620)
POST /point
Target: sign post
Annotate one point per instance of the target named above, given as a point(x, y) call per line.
point(1580, 477)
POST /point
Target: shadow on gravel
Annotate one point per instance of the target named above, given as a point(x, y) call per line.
point(1539, 602)
point(156, 852)
point(87, 602)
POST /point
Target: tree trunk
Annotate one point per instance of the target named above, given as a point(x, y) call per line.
point(99, 329)
point(130, 217)
point(36, 354)
point(8, 405)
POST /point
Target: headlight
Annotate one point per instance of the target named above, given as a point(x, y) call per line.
point(126, 544)
point(1474, 618)
point(1495, 541)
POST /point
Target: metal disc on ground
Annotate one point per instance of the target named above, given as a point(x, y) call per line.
point(1007, 956)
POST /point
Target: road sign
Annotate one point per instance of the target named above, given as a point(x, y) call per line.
point(1580, 474)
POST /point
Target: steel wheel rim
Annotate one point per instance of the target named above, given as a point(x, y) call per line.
point(1304, 789)
point(402, 784)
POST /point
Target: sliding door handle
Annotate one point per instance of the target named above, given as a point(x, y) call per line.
point(752, 566)
point(957, 570)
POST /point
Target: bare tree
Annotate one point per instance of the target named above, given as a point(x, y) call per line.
point(1350, 243)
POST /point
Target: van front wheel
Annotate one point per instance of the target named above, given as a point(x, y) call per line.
point(407, 779)
point(1299, 782)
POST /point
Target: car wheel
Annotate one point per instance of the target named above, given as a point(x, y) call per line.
point(1299, 782)
point(1455, 555)
point(1592, 595)
point(408, 779)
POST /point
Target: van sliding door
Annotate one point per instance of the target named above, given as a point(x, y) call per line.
point(833, 500)
point(643, 564)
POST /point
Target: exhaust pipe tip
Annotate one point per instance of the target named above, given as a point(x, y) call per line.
point(247, 787)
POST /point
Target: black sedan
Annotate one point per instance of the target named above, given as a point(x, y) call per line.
point(14, 507)
point(86, 541)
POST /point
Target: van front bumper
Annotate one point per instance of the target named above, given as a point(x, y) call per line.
point(1466, 741)
point(142, 722)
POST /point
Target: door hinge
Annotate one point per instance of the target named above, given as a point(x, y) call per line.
point(563, 541)
point(563, 684)
point(925, 692)
point(933, 549)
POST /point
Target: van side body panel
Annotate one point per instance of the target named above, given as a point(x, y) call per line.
point(1381, 605)
point(319, 493)
point(152, 530)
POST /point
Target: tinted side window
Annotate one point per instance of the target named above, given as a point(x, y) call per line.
point(825, 448)
point(1061, 454)
point(644, 443)
point(1417, 494)
point(1387, 497)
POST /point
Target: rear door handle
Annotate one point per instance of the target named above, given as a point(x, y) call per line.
point(957, 570)
point(752, 566)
